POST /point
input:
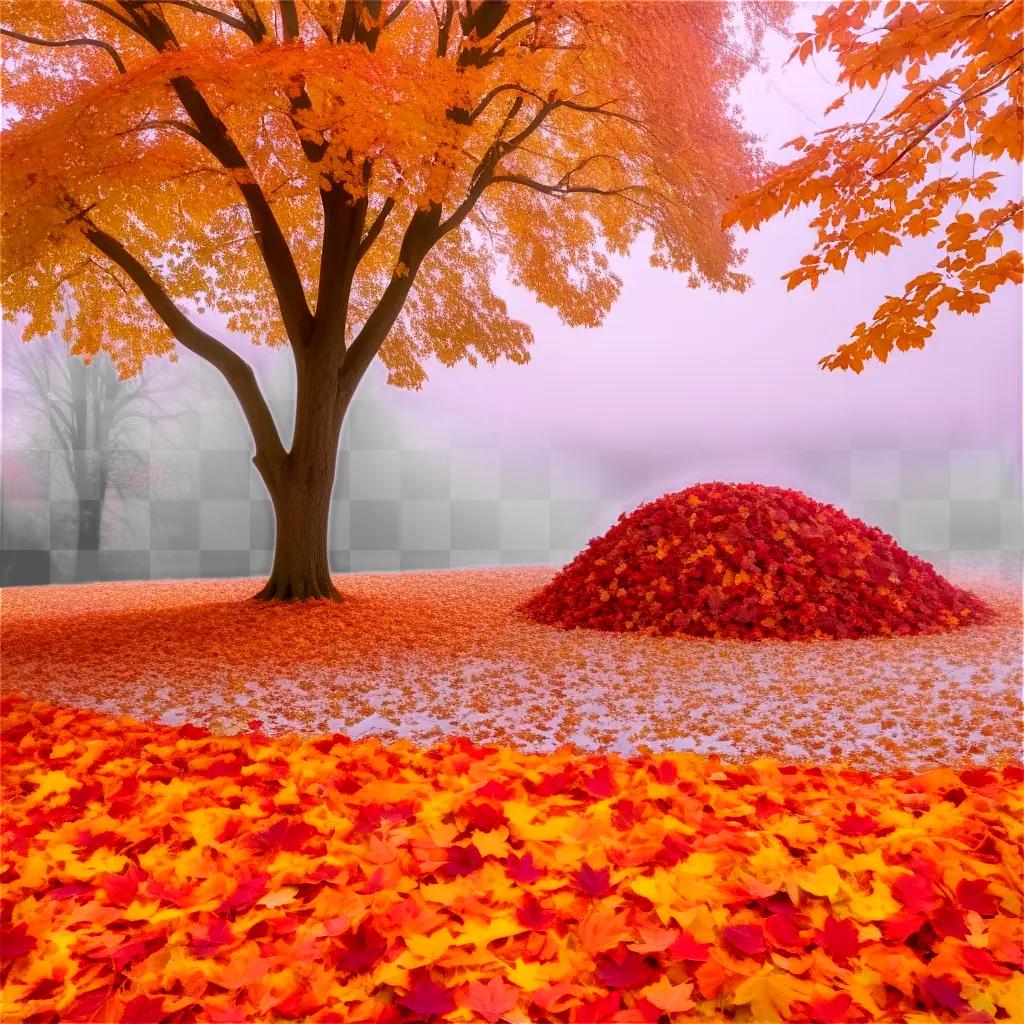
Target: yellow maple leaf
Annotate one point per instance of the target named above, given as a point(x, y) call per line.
point(442, 893)
point(876, 905)
point(279, 897)
point(532, 976)
point(826, 881)
point(491, 844)
point(770, 994)
point(701, 865)
point(139, 911)
point(428, 948)
point(518, 815)
point(477, 933)
point(50, 784)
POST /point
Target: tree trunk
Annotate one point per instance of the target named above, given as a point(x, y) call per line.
point(300, 488)
point(90, 514)
point(90, 478)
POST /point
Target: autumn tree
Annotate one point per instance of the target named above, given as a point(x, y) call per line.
point(946, 126)
point(347, 178)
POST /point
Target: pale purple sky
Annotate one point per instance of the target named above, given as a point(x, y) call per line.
point(736, 371)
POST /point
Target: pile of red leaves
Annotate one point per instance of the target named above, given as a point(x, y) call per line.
point(164, 874)
point(750, 562)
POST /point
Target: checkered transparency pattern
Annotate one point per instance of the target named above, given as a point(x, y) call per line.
point(408, 496)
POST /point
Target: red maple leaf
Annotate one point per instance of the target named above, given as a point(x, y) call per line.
point(69, 891)
point(246, 894)
point(428, 999)
point(915, 891)
point(358, 951)
point(625, 814)
point(593, 882)
point(89, 1006)
point(600, 784)
point(747, 939)
point(286, 834)
point(179, 896)
point(483, 817)
point(943, 992)
point(462, 860)
point(522, 868)
point(857, 825)
point(296, 1005)
point(831, 1010)
point(981, 961)
point(973, 894)
point(622, 968)
point(949, 920)
point(137, 949)
point(977, 778)
point(599, 1011)
point(839, 938)
point(674, 848)
point(782, 931)
point(218, 934)
point(555, 783)
point(15, 942)
point(532, 915)
point(495, 790)
point(123, 888)
point(686, 947)
point(899, 929)
point(143, 1010)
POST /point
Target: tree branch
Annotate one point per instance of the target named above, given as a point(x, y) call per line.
point(250, 14)
point(289, 19)
point(82, 41)
point(181, 126)
point(399, 7)
point(560, 188)
point(344, 219)
point(111, 14)
point(964, 97)
point(444, 27)
point(227, 19)
point(531, 19)
point(375, 228)
point(236, 371)
point(419, 236)
point(212, 133)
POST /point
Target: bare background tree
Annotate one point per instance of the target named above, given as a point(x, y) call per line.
point(98, 425)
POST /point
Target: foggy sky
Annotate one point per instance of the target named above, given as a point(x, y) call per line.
point(673, 365)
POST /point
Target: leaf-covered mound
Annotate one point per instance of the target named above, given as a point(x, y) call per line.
point(154, 874)
point(750, 562)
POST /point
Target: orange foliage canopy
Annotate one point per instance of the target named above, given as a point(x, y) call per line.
point(166, 874)
point(924, 162)
point(295, 167)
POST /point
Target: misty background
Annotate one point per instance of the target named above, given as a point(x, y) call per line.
point(511, 464)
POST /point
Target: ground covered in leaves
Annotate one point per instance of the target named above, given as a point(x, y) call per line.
point(749, 562)
point(431, 654)
point(158, 873)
